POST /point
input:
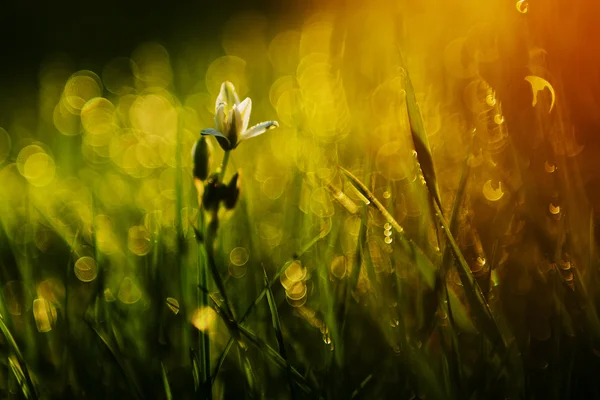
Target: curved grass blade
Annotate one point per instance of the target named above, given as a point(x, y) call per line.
point(258, 298)
point(129, 377)
point(27, 383)
point(278, 333)
point(419, 137)
point(362, 385)
point(236, 330)
point(19, 373)
point(422, 261)
point(195, 369)
point(483, 315)
point(168, 394)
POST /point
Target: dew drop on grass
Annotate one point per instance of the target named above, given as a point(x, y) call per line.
point(388, 240)
point(86, 269)
point(498, 119)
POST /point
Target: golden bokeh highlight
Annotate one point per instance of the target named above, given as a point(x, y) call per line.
point(36, 165)
point(204, 319)
point(81, 87)
point(86, 269)
point(129, 292)
point(44, 313)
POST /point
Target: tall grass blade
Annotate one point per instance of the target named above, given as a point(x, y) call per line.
point(423, 262)
point(259, 298)
point(166, 384)
point(278, 333)
point(419, 137)
point(129, 376)
point(483, 315)
point(237, 330)
point(20, 360)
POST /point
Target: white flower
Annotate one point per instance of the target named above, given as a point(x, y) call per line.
point(232, 118)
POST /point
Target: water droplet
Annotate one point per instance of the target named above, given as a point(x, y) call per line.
point(387, 195)
point(387, 233)
point(549, 167)
point(498, 119)
point(554, 210)
point(388, 240)
point(522, 6)
point(387, 226)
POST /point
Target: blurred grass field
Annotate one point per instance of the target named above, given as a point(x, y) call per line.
point(417, 226)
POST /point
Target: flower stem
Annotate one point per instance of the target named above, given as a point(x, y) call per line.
point(223, 166)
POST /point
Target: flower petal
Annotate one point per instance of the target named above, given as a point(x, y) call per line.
point(258, 129)
point(227, 95)
point(245, 108)
point(220, 118)
point(222, 139)
point(236, 126)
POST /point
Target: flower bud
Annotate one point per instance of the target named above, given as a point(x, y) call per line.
point(232, 192)
point(213, 192)
point(201, 154)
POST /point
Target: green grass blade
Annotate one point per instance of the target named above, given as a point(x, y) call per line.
point(165, 379)
point(483, 315)
point(277, 327)
point(361, 386)
point(19, 373)
point(238, 330)
point(259, 298)
point(422, 261)
point(420, 140)
point(129, 377)
point(20, 359)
